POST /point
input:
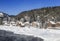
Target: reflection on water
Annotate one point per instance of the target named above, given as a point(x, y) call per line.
point(10, 36)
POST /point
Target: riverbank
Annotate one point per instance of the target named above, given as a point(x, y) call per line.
point(46, 34)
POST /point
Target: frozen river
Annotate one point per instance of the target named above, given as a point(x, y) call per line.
point(46, 34)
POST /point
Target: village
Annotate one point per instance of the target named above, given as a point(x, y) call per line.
point(49, 22)
point(29, 20)
point(48, 31)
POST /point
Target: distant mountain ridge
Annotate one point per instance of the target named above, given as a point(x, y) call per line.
point(6, 15)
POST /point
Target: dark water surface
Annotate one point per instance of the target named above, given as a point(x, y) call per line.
point(10, 36)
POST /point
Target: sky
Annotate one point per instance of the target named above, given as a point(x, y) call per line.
point(14, 7)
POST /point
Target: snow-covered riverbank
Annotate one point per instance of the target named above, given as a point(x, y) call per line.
point(46, 34)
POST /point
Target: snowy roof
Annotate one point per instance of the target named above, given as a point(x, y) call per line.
point(52, 22)
point(1, 14)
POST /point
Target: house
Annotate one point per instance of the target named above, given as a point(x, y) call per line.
point(6, 19)
point(1, 18)
point(51, 24)
point(57, 24)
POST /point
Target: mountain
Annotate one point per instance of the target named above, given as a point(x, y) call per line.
point(50, 11)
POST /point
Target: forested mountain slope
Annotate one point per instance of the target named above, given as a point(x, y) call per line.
point(42, 12)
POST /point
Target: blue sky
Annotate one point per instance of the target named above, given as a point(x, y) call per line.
point(14, 7)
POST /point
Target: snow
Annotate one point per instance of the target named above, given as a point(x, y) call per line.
point(46, 34)
point(52, 22)
point(1, 14)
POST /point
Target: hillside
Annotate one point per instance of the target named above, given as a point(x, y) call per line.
point(50, 11)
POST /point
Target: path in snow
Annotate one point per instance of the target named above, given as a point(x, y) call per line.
point(46, 34)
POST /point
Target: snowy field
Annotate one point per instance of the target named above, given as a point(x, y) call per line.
point(46, 34)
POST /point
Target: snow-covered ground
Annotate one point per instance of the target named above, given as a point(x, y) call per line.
point(46, 34)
